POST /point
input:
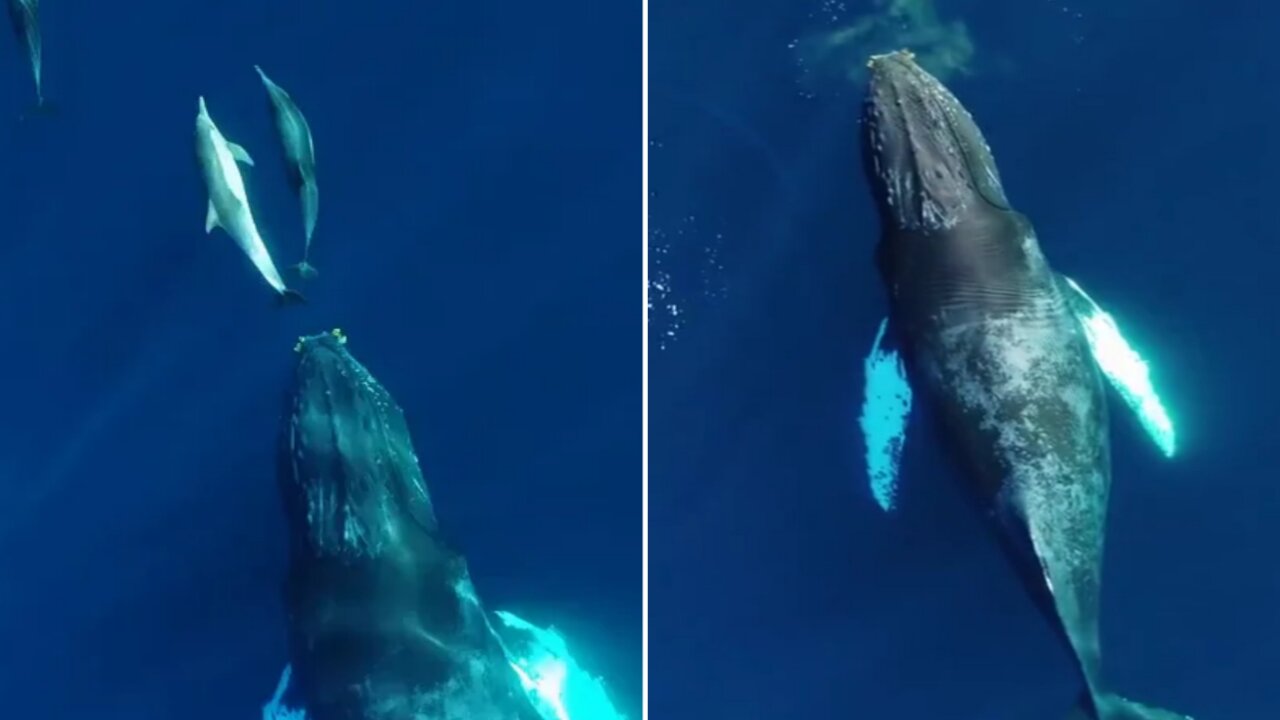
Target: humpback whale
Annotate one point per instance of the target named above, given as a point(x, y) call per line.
point(300, 156)
point(25, 17)
point(1011, 354)
point(228, 200)
point(384, 622)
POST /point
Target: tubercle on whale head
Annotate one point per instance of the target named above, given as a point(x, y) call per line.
point(336, 333)
point(924, 156)
point(325, 366)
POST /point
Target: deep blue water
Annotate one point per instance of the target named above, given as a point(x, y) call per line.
point(1140, 139)
point(479, 172)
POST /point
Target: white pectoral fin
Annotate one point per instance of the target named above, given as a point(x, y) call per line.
point(240, 154)
point(1123, 367)
point(210, 219)
point(886, 405)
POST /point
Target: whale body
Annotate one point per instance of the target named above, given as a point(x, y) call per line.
point(1000, 344)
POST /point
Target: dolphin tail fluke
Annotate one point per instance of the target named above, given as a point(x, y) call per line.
point(306, 270)
point(1114, 707)
point(289, 296)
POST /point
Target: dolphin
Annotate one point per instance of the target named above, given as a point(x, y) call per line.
point(25, 16)
point(384, 621)
point(228, 201)
point(300, 156)
point(1006, 349)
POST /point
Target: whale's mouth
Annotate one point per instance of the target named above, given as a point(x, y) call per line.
point(925, 157)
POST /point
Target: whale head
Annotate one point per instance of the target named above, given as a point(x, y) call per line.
point(928, 163)
point(383, 619)
point(351, 482)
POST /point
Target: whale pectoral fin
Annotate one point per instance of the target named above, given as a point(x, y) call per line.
point(275, 708)
point(1123, 367)
point(886, 405)
point(210, 219)
point(240, 154)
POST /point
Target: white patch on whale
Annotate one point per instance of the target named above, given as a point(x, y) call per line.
point(1024, 380)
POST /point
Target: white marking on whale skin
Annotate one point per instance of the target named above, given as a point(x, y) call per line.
point(1026, 382)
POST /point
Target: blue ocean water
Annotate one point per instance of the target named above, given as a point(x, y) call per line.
point(1138, 137)
point(479, 175)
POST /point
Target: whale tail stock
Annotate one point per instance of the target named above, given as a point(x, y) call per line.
point(1108, 706)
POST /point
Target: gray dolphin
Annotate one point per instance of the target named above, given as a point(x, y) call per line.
point(229, 206)
point(1001, 345)
point(25, 16)
point(300, 155)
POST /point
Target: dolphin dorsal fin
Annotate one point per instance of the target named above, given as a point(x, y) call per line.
point(1123, 367)
point(239, 153)
point(210, 218)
